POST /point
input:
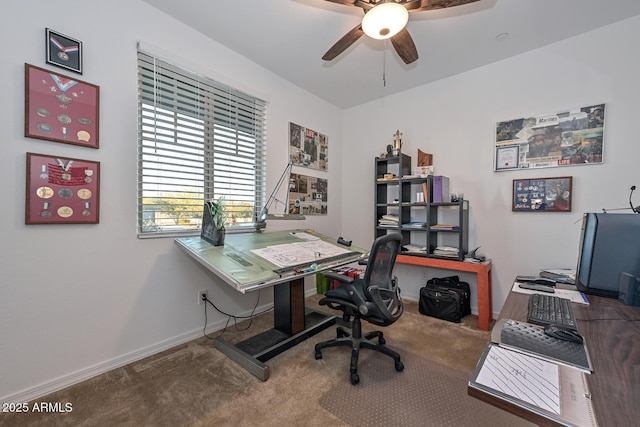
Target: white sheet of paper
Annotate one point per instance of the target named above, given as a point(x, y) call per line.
point(574, 296)
point(289, 254)
point(523, 377)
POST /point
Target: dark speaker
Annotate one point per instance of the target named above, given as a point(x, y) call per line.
point(629, 292)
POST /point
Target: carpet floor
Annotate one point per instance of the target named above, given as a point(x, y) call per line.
point(426, 393)
point(195, 385)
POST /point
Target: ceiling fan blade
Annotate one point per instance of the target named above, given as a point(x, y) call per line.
point(347, 40)
point(437, 4)
point(345, 2)
point(404, 45)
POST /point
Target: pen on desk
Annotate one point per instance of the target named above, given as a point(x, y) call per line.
point(584, 298)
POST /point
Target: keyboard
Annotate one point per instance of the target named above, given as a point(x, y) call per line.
point(551, 310)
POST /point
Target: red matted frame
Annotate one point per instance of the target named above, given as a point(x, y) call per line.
point(62, 190)
point(60, 108)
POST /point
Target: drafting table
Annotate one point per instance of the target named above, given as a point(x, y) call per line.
point(252, 261)
point(612, 331)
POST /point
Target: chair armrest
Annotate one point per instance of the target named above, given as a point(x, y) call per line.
point(337, 276)
point(393, 309)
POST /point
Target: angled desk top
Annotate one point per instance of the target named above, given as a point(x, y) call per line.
point(238, 265)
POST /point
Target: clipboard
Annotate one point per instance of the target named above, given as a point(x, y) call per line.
point(553, 391)
point(532, 339)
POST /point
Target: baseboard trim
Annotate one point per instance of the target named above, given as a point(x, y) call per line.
point(84, 374)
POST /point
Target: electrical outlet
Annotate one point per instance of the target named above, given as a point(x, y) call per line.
point(202, 295)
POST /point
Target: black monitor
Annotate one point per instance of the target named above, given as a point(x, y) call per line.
point(609, 245)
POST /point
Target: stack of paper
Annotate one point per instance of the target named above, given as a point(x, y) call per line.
point(447, 251)
point(388, 220)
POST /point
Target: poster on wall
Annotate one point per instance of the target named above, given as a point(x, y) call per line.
point(307, 148)
point(567, 138)
point(307, 195)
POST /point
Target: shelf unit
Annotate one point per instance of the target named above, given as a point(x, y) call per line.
point(420, 223)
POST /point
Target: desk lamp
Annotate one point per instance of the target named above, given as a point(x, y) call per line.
point(264, 213)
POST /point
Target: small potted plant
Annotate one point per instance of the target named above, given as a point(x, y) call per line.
point(213, 220)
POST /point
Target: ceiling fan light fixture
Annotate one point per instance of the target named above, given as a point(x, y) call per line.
point(385, 20)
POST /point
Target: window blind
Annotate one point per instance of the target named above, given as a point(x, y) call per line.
point(197, 140)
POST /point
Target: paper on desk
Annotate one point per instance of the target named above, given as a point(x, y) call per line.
point(304, 236)
point(574, 296)
point(288, 254)
point(523, 377)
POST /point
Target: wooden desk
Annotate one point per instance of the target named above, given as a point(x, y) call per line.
point(612, 333)
point(483, 278)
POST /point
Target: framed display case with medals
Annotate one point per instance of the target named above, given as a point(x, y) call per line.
point(62, 190)
point(63, 51)
point(60, 108)
point(542, 194)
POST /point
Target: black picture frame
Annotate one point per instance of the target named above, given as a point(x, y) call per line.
point(542, 194)
point(63, 51)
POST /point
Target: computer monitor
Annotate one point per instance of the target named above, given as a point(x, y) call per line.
point(609, 245)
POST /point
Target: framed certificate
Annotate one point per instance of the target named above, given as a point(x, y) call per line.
point(60, 108)
point(63, 51)
point(507, 157)
point(62, 190)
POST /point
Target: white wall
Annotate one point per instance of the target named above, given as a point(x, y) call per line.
point(455, 120)
point(76, 300)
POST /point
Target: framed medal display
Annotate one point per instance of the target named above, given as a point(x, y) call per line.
point(542, 194)
point(63, 51)
point(62, 190)
point(60, 108)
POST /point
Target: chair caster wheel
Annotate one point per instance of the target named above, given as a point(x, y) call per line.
point(382, 341)
point(355, 379)
point(399, 366)
point(318, 355)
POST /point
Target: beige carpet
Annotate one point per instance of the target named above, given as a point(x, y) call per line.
point(195, 385)
point(426, 393)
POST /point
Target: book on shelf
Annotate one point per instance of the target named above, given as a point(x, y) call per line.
point(441, 193)
point(415, 224)
point(412, 248)
point(425, 191)
point(388, 220)
point(447, 251)
point(444, 227)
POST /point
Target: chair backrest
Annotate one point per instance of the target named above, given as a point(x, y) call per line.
point(381, 289)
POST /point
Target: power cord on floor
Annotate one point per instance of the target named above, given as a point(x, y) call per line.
point(231, 316)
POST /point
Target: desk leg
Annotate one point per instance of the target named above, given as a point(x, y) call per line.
point(293, 323)
point(484, 299)
point(288, 306)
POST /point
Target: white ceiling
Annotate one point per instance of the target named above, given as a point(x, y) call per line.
point(289, 38)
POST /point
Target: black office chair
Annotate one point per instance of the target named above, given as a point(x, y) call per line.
point(376, 299)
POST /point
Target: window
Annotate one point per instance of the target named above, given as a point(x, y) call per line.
point(197, 140)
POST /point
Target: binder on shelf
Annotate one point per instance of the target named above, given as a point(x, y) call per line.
point(441, 193)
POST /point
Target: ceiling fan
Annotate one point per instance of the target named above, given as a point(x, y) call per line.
point(385, 19)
